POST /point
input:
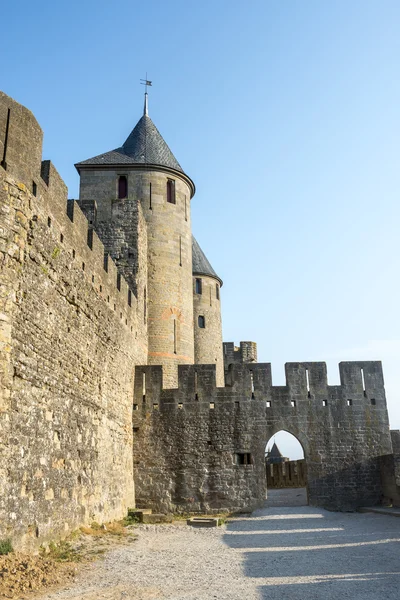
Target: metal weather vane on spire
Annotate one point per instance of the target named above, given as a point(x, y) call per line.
point(146, 83)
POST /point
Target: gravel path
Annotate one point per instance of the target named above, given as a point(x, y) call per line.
point(297, 553)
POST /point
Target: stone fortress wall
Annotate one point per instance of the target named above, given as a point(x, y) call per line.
point(70, 335)
point(201, 448)
point(74, 363)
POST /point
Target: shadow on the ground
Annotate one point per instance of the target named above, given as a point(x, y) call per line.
point(305, 553)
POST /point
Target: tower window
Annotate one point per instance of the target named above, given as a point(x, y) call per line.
point(171, 191)
point(199, 286)
point(217, 290)
point(122, 187)
point(201, 322)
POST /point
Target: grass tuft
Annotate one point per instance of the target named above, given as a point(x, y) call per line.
point(5, 547)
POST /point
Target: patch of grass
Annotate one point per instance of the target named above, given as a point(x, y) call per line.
point(6, 547)
point(56, 252)
point(131, 519)
point(63, 552)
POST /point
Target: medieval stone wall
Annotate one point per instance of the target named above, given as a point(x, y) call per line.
point(200, 447)
point(70, 333)
point(390, 471)
point(208, 331)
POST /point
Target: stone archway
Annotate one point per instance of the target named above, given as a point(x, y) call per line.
point(286, 471)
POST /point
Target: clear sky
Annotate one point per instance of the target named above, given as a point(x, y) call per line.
point(286, 116)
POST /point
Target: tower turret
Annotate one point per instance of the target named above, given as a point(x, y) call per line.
point(207, 313)
point(143, 200)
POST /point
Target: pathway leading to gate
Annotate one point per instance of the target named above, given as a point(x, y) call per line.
point(296, 553)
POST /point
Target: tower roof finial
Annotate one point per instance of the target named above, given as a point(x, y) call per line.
point(146, 83)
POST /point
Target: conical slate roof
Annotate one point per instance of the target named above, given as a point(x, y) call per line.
point(201, 265)
point(144, 145)
point(274, 452)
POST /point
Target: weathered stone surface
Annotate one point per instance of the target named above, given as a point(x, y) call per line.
point(186, 446)
point(68, 343)
point(203, 522)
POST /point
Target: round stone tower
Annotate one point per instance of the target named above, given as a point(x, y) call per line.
point(207, 313)
point(146, 182)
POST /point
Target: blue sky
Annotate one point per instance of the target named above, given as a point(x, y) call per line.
point(286, 116)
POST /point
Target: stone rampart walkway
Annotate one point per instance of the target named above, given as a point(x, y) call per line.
point(297, 553)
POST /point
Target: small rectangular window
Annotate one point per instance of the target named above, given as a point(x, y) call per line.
point(135, 407)
point(349, 402)
point(212, 405)
point(243, 458)
point(324, 402)
point(199, 286)
point(171, 191)
point(268, 404)
point(202, 322)
point(373, 401)
point(293, 403)
point(129, 298)
point(217, 290)
point(122, 187)
point(34, 188)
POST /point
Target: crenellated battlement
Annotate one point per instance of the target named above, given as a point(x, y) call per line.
point(22, 167)
point(361, 384)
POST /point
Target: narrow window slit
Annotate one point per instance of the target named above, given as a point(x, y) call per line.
point(171, 191)
point(174, 336)
point(252, 385)
point(363, 383)
point(122, 187)
point(150, 206)
point(144, 386)
point(308, 384)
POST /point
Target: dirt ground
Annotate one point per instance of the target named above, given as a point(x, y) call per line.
point(290, 553)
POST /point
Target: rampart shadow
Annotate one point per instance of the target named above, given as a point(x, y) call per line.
point(316, 554)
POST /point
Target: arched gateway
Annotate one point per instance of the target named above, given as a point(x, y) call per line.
point(201, 448)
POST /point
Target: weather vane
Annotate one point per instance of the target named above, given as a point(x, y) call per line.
point(146, 83)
